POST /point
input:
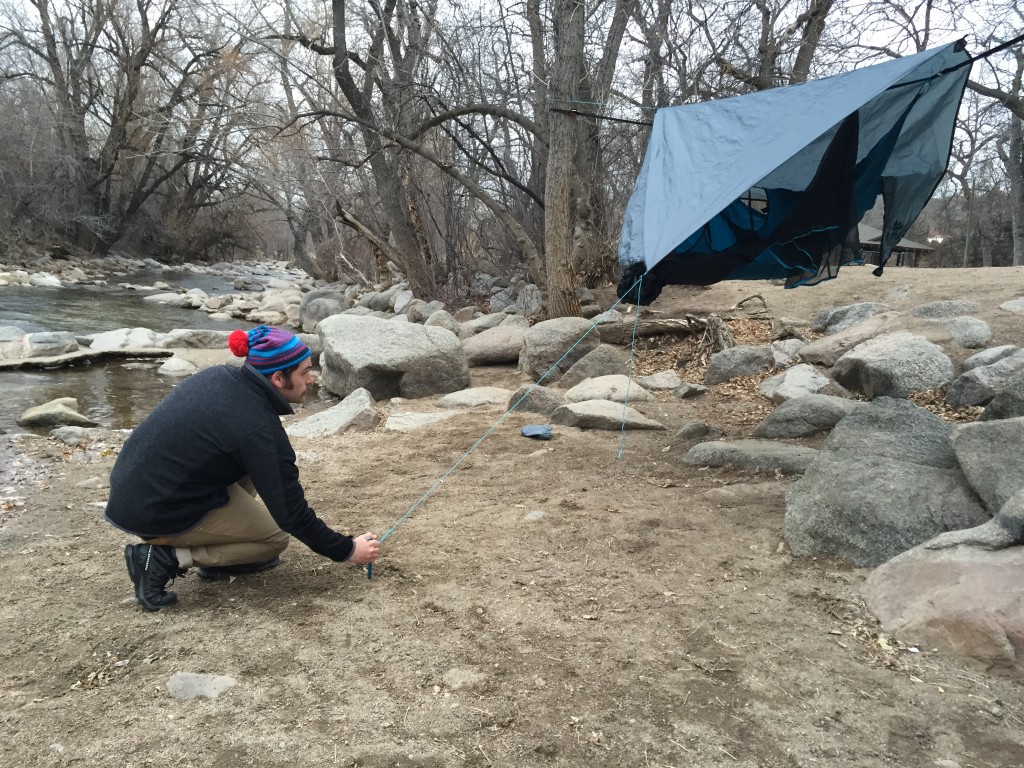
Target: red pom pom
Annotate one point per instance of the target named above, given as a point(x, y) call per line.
point(238, 343)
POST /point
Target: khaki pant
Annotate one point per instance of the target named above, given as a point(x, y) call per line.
point(242, 531)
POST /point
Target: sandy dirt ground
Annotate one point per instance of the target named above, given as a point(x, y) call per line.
point(550, 604)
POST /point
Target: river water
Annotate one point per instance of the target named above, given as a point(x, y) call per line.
point(116, 394)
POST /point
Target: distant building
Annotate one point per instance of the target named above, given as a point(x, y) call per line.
point(904, 254)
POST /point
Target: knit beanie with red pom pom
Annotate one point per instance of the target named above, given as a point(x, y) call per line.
point(268, 349)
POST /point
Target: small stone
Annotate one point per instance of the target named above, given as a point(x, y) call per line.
point(686, 390)
point(190, 685)
point(457, 678)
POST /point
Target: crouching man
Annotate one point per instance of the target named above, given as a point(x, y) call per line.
point(185, 480)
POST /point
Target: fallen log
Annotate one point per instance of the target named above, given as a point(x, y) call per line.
point(78, 357)
point(714, 327)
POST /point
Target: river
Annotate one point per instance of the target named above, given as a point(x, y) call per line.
point(115, 394)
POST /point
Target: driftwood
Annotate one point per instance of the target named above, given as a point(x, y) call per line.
point(741, 302)
point(81, 356)
point(714, 327)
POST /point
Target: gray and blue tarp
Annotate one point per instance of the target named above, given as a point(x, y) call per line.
point(771, 185)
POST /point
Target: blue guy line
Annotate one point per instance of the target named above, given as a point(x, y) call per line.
point(629, 380)
point(494, 426)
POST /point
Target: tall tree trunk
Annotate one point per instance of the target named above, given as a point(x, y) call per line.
point(593, 257)
point(559, 199)
point(533, 220)
point(1015, 170)
point(384, 163)
point(391, 194)
point(815, 16)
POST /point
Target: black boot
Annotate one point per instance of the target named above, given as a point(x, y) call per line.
point(215, 572)
point(152, 567)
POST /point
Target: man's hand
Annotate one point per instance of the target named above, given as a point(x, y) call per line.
point(367, 549)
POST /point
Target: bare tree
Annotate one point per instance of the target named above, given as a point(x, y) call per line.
point(1004, 74)
point(560, 212)
point(135, 100)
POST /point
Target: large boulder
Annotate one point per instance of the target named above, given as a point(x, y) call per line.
point(660, 381)
point(177, 366)
point(617, 388)
point(276, 301)
point(965, 601)
point(44, 280)
point(334, 291)
point(311, 313)
point(12, 342)
point(800, 380)
point(503, 299)
point(126, 338)
point(604, 360)
point(536, 399)
point(832, 321)
point(602, 414)
point(1008, 402)
point(402, 301)
point(827, 350)
point(419, 311)
point(170, 299)
point(195, 338)
point(786, 351)
point(390, 359)
point(989, 356)
point(885, 480)
point(980, 384)
point(969, 332)
point(49, 344)
point(738, 361)
point(443, 319)
point(894, 365)
point(356, 413)
point(804, 416)
point(247, 284)
point(941, 309)
point(991, 455)
point(196, 297)
point(480, 324)
point(56, 413)
point(552, 347)
point(529, 301)
point(753, 455)
point(500, 345)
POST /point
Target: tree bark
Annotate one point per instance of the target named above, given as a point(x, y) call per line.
point(814, 26)
point(690, 325)
point(562, 297)
point(593, 258)
point(384, 164)
point(1015, 171)
point(534, 218)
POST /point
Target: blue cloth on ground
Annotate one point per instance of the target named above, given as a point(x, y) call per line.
point(538, 431)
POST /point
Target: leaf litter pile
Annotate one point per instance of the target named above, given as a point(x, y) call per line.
point(689, 355)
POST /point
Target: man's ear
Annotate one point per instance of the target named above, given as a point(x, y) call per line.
point(277, 379)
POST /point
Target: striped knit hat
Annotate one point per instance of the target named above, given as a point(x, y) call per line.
point(268, 349)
